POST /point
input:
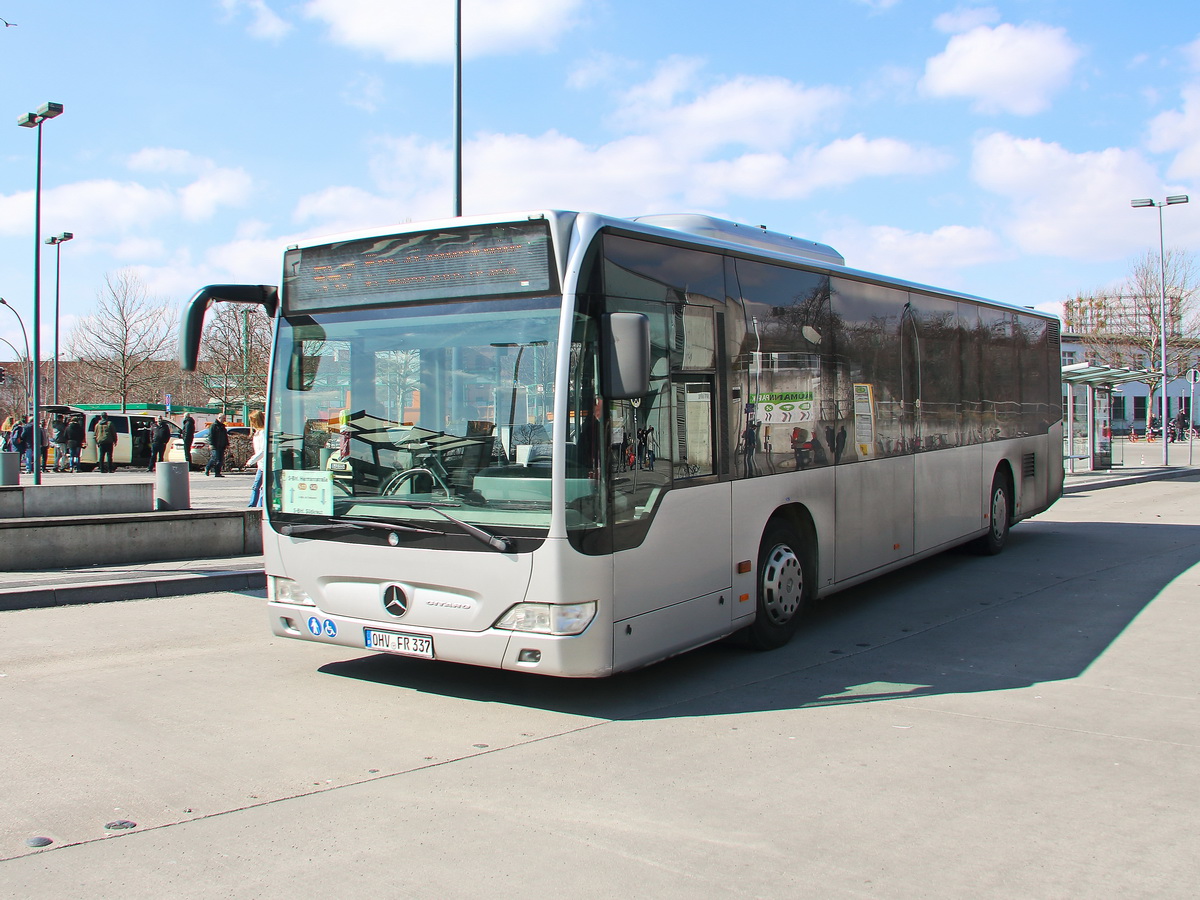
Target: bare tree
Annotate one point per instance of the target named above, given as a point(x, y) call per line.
point(236, 354)
point(1121, 327)
point(123, 340)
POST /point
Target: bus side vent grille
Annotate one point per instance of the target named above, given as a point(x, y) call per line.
point(1028, 465)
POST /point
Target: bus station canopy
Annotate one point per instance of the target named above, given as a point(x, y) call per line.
point(1090, 373)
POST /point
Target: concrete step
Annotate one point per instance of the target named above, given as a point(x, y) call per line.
point(55, 542)
point(103, 584)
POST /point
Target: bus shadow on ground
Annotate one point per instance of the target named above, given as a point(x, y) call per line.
point(1042, 611)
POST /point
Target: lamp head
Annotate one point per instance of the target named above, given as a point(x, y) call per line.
point(1137, 204)
point(50, 110)
point(28, 120)
point(1177, 198)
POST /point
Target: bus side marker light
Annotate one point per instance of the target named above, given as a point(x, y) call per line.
point(529, 656)
point(743, 568)
point(745, 598)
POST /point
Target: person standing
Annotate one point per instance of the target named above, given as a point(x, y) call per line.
point(23, 442)
point(218, 443)
point(58, 435)
point(76, 437)
point(160, 436)
point(105, 436)
point(187, 431)
point(259, 440)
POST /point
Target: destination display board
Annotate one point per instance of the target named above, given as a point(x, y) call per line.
point(475, 261)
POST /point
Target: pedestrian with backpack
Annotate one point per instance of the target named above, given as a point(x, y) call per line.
point(106, 439)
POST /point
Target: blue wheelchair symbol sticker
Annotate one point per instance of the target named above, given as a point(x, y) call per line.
point(330, 628)
point(314, 625)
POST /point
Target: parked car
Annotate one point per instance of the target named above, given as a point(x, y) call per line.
point(240, 448)
point(133, 440)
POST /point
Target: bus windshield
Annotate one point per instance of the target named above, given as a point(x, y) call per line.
point(429, 412)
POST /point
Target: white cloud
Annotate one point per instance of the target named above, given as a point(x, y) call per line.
point(812, 168)
point(929, 257)
point(264, 22)
point(965, 19)
point(1062, 203)
point(220, 187)
point(167, 159)
point(1178, 132)
point(423, 32)
point(92, 207)
point(1009, 68)
point(599, 69)
point(336, 209)
point(365, 92)
point(138, 248)
point(1192, 54)
point(763, 113)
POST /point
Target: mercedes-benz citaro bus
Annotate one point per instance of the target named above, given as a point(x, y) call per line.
point(574, 444)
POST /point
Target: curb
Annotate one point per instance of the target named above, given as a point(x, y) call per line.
point(1103, 481)
point(114, 591)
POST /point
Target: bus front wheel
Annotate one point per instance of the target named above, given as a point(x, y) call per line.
point(784, 584)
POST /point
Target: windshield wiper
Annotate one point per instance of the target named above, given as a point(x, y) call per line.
point(347, 524)
point(499, 544)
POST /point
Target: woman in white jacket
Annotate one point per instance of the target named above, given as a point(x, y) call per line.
point(259, 440)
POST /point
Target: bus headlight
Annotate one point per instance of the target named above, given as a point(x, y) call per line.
point(284, 590)
point(549, 618)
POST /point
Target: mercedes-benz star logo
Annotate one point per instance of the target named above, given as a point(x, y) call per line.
point(395, 600)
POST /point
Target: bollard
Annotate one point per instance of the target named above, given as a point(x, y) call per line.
point(10, 469)
point(172, 490)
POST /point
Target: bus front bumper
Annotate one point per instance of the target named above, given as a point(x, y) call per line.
point(585, 655)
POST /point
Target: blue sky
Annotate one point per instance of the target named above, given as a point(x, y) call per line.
point(992, 148)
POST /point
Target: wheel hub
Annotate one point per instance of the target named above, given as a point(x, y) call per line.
point(782, 584)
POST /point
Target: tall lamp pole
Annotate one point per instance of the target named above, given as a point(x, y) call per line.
point(57, 241)
point(457, 108)
point(35, 120)
point(1162, 309)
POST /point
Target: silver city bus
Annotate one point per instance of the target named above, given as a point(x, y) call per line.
point(571, 444)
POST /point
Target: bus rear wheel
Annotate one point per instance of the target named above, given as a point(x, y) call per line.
point(784, 585)
point(1000, 509)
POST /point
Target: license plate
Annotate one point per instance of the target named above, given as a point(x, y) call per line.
point(397, 642)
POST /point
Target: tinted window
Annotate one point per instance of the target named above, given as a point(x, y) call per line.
point(880, 367)
point(642, 270)
point(786, 358)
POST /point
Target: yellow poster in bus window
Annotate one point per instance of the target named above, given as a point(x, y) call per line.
point(864, 420)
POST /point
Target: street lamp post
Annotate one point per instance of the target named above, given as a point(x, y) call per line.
point(57, 241)
point(1162, 309)
point(35, 120)
point(457, 108)
point(25, 335)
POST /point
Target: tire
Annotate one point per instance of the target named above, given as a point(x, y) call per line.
point(999, 518)
point(785, 583)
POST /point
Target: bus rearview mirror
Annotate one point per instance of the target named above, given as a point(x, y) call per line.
point(626, 341)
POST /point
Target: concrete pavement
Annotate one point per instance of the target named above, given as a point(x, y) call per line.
point(1021, 726)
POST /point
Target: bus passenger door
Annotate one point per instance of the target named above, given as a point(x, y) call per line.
point(672, 511)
